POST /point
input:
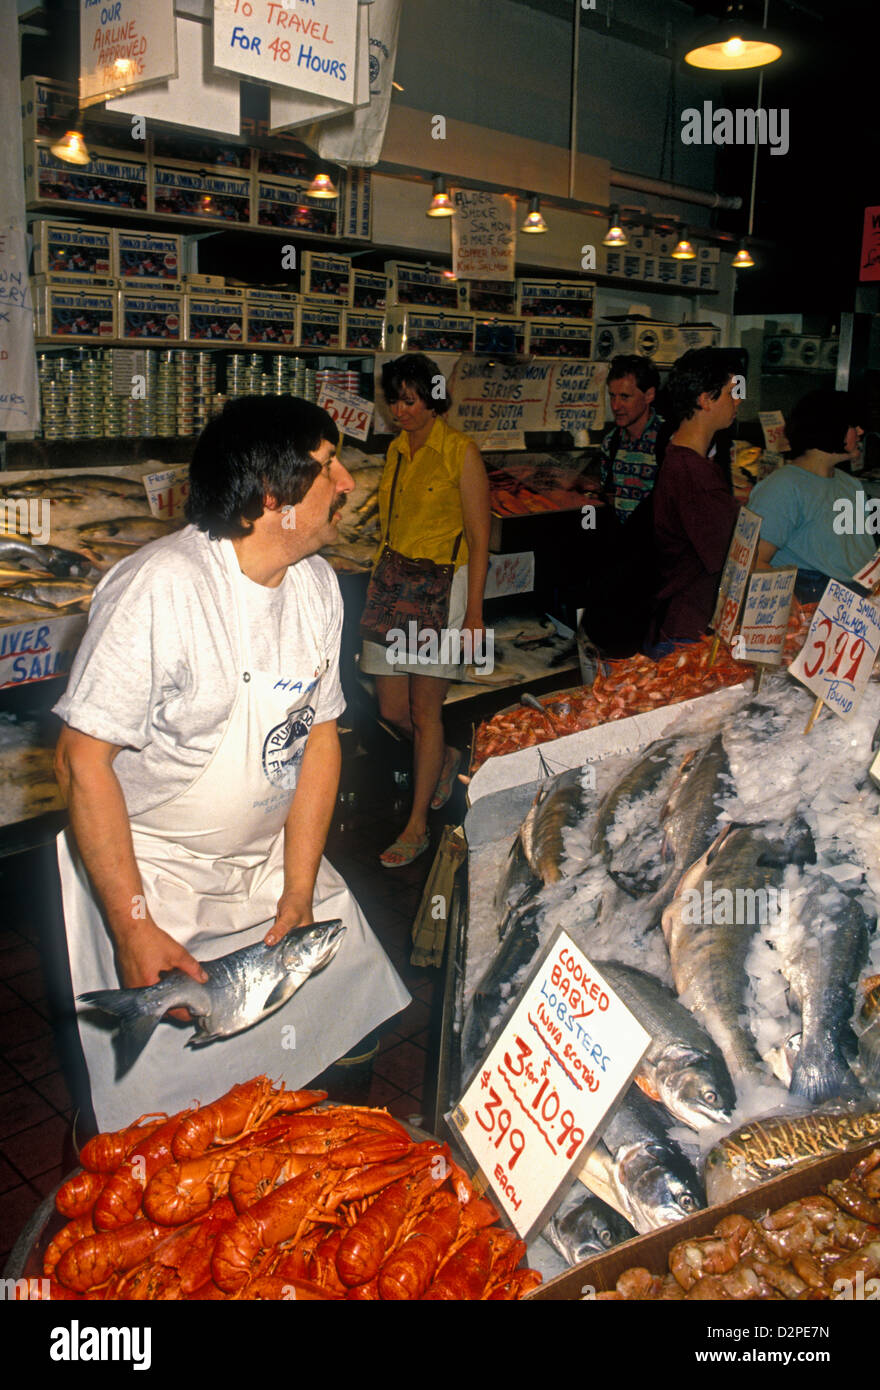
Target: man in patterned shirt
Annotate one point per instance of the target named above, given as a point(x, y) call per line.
point(630, 455)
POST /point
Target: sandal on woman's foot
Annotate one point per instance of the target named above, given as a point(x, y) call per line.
point(446, 784)
point(403, 852)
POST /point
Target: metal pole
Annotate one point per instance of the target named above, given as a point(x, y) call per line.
point(572, 136)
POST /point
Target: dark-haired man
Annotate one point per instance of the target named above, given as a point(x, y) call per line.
point(200, 761)
point(633, 450)
point(694, 508)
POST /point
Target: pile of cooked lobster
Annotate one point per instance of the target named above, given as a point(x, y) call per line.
point(820, 1247)
point(262, 1195)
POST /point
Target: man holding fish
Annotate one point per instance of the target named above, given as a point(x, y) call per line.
point(200, 761)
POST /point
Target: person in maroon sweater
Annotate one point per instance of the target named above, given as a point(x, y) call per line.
point(694, 508)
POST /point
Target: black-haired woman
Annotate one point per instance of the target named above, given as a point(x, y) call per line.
point(433, 505)
point(811, 514)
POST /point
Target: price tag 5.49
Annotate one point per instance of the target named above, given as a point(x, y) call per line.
point(353, 414)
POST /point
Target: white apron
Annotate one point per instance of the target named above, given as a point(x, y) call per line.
point(211, 859)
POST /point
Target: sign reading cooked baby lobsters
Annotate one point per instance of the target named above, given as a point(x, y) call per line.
point(564, 1056)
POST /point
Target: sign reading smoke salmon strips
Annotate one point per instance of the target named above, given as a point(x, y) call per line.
point(311, 47)
point(735, 575)
point(869, 577)
point(167, 491)
point(764, 624)
point(353, 414)
point(836, 660)
point(124, 44)
point(563, 1058)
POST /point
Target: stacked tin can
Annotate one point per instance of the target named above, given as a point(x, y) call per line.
point(296, 375)
point(186, 390)
point(205, 389)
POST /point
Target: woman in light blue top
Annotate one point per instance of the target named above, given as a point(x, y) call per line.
point(815, 516)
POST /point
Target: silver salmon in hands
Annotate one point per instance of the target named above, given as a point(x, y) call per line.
point(242, 989)
point(683, 1067)
point(822, 970)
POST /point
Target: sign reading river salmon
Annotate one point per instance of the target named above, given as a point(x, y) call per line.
point(565, 1054)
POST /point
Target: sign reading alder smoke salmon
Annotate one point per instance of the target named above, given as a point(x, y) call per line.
point(735, 574)
point(557, 1068)
point(312, 47)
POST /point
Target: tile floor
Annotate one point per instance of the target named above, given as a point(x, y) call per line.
point(36, 1140)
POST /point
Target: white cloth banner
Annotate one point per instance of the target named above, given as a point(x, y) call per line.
point(357, 138)
point(199, 97)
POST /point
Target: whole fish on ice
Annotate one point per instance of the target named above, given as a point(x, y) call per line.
point(562, 805)
point(822, 969)
point(683, 1067)
point(767, 1148)
point(583, 1225)
point(653, 1178)
point(242, 989)
point(637, 786)
point(501, 984)
point(691, 819)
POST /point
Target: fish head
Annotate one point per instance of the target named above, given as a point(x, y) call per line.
point(696, 1089)
point(308, 949)
point(662, 1186)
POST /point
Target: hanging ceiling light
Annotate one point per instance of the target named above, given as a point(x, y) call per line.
point(441, 203)
point(615, 236)
point(534, 222)
point(322, 186)
point(743, 259)
point(684, 250)
point(734, 43)
point(72, 149)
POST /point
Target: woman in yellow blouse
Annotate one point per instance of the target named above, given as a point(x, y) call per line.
point(441, 495)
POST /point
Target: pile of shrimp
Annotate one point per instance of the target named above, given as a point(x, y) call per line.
point(632, 686)
point(818, 1248)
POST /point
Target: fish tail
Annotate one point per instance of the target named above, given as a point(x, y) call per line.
point(821, 1076)
point(135, 1027)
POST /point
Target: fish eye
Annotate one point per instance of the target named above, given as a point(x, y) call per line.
point(710, 1097)
point(686, 1202)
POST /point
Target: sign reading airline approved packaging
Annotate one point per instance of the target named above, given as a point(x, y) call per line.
point(559, 1065)
point(311, 47)
point(124, 44)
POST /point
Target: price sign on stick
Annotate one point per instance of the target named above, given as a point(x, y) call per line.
point(764, 624)
point(735, 574)
point(167, 491)
point(842, 644)
point(870, 575)
point(773, 425)
point(563, 1058)
point(353, 414)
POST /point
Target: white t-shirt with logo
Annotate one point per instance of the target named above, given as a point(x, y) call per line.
point(159, 667)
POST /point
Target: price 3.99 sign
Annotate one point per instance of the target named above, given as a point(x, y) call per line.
point(560, 1063)
point(835, 661)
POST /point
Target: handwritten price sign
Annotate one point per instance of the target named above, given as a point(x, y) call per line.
point(842, 644)
point(167, 492)
point(353, 414)
point(563, 1058)
point(735, 574)
point(870, 575)
point(761, 637)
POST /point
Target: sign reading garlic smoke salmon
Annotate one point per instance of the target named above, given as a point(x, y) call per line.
point(310, 47)
point(838, 656)
point(563, 1058)
point(124, 44)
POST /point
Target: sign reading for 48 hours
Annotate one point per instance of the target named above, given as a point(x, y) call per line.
point(309, 46)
